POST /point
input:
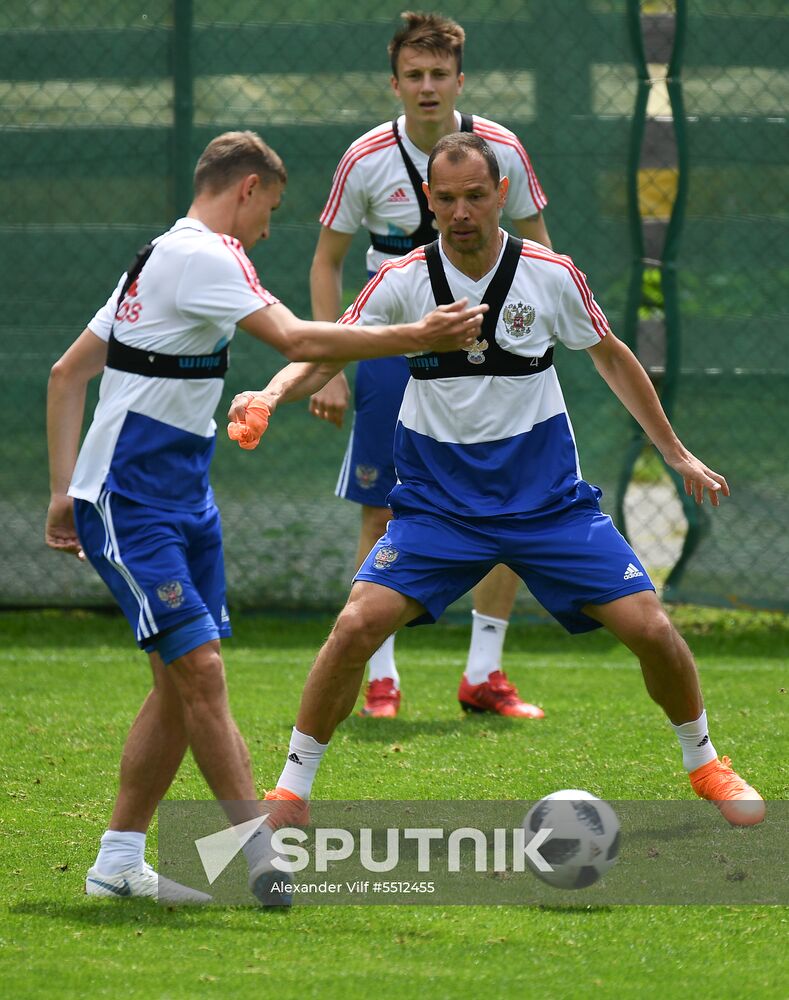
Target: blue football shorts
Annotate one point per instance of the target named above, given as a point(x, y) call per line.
point(165, 569)
point(568, 558)
point(368, 474)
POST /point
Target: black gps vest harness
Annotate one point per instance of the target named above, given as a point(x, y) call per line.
point(124, 358)
point(426, 232)
point(492, 359)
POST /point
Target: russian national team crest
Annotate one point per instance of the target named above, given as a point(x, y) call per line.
point(171, 593)
point(384, 557)
point(366, 476)
point(476, 353)
point(518, 319)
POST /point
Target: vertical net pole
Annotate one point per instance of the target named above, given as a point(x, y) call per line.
point(696, 518)
point(183, 105)
point(633, 14)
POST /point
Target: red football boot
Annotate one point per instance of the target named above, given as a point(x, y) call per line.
point(497, 695)
point(381, 700)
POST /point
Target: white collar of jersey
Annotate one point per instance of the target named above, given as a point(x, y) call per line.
point(485, 279)
point(190, 223)
point(413, 151)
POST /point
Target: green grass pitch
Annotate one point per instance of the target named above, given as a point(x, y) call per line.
point(70, 685)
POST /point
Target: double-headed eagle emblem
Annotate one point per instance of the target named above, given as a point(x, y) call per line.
point(518, 319)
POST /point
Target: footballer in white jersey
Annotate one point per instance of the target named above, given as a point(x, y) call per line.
point(137, 501)
point(150, 444)
point(373, 187)
point(191, 292)
point(487, 469)
point(489, 435)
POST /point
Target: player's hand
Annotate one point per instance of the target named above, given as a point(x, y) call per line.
point(60, 532)
point(452, 327)
point(331, 402)
point(248, 418)
point(698, 479)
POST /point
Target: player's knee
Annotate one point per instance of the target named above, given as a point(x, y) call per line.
point(657, 632)
point(200, 678)
point(357, 633)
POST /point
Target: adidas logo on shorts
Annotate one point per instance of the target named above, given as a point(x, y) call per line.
point(632, 572)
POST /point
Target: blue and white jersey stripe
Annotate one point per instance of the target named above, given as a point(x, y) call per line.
point(152, 439)
point(485, 445)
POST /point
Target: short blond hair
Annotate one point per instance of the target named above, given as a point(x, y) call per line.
point(429, 32)
point(234, 155)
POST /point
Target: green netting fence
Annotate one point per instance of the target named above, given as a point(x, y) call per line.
point(658, 131)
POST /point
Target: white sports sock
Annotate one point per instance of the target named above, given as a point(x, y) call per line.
point(304, 756)
point(382, 663)
point(697, 748)
point(120, 850)
point(485, 649)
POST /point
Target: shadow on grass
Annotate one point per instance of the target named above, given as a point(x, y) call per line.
point(146, 912)
point(592, 911)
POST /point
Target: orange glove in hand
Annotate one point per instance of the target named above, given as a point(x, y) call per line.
point(249, 433)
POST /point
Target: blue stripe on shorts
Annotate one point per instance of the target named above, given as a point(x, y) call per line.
point(368, 473)
point(164, 568)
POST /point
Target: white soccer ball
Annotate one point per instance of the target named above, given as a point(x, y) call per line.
point(584, 842)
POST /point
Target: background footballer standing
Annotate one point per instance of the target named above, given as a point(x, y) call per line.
point(377, 185)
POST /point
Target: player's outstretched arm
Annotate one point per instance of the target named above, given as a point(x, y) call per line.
point(68, 381)
point(627, 379)
point(250, 411)
point(447, 328)
point(291, 383)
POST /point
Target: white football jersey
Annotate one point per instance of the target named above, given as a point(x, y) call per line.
point(482, 445)
point(152, 439)
point(371, 188)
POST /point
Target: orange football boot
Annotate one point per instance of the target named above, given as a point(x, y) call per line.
point(291, 810)
point(738, 803)
point(267, 884)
